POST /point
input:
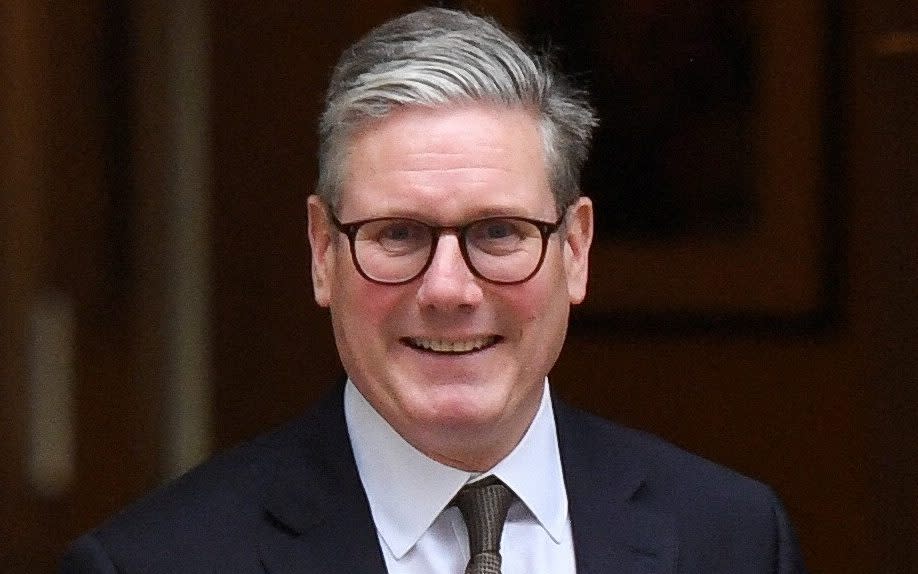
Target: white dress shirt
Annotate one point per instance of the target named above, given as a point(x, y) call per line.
point(409, 493)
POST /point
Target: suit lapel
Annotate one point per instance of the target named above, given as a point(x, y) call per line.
point(317, 516)
point(614, 528)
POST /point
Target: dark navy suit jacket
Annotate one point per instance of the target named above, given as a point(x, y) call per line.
point(292, 502)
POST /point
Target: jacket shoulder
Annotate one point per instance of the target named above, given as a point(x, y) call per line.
point(209, 511)
point(671, 475)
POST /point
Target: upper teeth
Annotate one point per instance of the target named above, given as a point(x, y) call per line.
point(444, 346)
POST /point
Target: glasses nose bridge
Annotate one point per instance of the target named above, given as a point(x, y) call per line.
point(458, 231)
point(437, 231)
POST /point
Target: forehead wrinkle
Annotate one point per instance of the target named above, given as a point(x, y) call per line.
point(449, 170)
point(480, 156)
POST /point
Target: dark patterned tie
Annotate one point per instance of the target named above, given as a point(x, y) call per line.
point(484, 506)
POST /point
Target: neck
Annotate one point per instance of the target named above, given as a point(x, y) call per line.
point(470, 449)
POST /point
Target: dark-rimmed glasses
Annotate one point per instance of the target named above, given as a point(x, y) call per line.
point(395, 250)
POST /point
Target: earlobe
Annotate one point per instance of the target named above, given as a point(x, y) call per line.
point(577, 248)
point(320, 246)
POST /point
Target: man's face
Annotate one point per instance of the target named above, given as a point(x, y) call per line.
point(446, 167)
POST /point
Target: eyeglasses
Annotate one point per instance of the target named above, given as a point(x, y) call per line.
point(397, 250)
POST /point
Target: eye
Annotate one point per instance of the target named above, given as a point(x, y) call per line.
point(500, 236)
point(501, 230)
point(399, 231)
point(395, 236)
point(498, 229)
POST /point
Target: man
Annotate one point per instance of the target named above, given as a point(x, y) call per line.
point(449, 241)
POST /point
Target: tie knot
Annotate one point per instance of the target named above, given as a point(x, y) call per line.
point(484, 505)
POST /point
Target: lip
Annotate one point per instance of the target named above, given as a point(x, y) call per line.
point(452, 345)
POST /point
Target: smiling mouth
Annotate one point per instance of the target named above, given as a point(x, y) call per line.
point(451, 347)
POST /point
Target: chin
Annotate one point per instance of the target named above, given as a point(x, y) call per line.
point(463, 410)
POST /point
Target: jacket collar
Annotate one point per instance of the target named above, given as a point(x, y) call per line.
point(317, 516)
point(614, 528)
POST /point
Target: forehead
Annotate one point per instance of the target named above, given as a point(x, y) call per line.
point(447, 162)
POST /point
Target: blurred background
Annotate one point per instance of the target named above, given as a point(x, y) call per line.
point(754, 283)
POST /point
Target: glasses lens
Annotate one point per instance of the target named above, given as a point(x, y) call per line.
point(504, 249)
point(392, 250)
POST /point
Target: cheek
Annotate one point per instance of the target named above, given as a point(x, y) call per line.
point(369, 310)
point(534, 306)
point(550, 306)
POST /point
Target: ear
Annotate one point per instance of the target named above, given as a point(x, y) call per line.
point(577, 248)
point(321, 247)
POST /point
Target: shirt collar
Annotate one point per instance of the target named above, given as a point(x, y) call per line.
point(392, 472)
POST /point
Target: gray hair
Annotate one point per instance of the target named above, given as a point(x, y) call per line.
point(435, 57)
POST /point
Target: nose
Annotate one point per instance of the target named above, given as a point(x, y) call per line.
point(448, 283)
